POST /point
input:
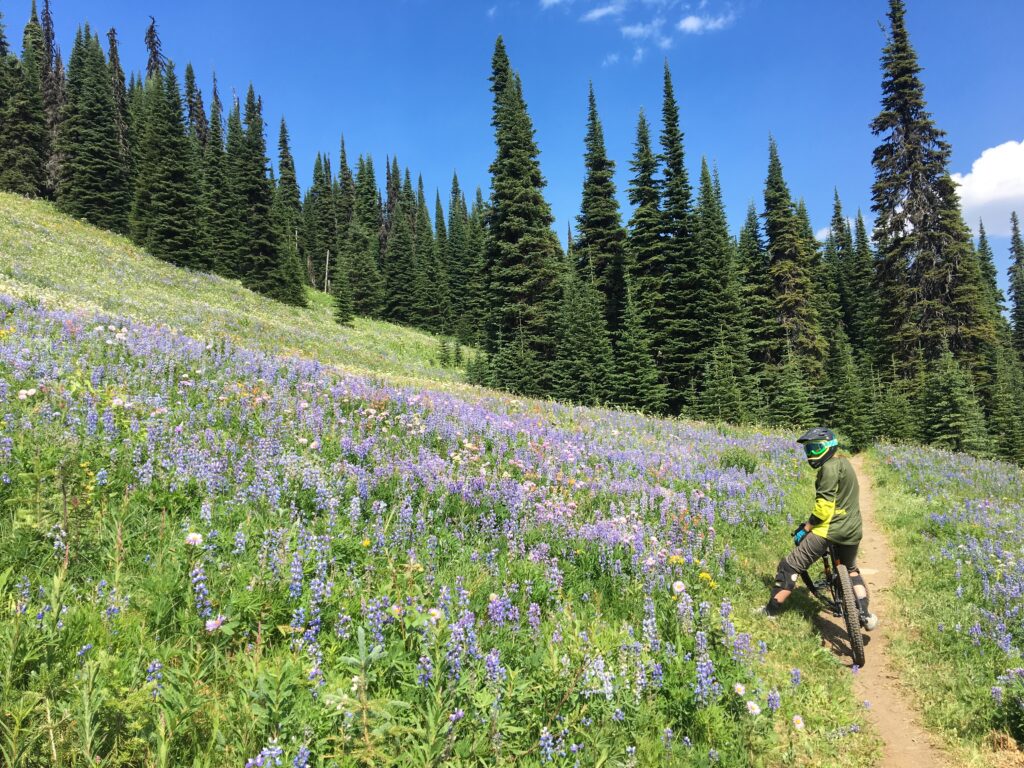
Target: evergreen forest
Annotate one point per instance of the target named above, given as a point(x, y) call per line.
point(894, 327)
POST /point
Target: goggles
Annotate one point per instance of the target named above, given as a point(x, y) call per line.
point(814, 450)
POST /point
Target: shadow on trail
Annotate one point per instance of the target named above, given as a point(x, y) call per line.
point(831, 628)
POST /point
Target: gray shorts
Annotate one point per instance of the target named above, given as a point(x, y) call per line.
point(813, 547)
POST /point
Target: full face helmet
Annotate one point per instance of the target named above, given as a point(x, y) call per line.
point(819, 444)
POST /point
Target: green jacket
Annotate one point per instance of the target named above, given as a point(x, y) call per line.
point(836, 515)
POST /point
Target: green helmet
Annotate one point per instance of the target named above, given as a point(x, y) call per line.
point(819, 444)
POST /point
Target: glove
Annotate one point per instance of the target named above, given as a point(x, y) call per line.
point(798, 534)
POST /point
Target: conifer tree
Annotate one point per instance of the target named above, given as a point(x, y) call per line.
point(363, 242)
point(790, 269)
point(54, 92)
point(266, 268)
point(285, 213)
point(401, 301)
point(918, 232)
point(718, 301)
point(989, 274)
point(516, 368)
point(120, 93)
point(601, 245)
point(1017, 284)
point(459, 266)
point(93, 183)
point(756, 293)
point(648, 265)
point(523, 254)
point(721, 397)
point(234, 240)
point(476, 293)
point(637, 382)
point(583, 357)
point(950, 415)
point(24, 139)
point(845, 402)
point(344, 195)
point(195, 112)
point(431, 286)
point(440, 270)
point(165, 212)
point(214, 217)
point(1006, 420)
point(155, 61)
point(320, 219)
point(860, 311)
point(677, 339)
point(790, 402)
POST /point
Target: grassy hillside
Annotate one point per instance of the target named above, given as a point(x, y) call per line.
point(214, 551)
point(44, 254)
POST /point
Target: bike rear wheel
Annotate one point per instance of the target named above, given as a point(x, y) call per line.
point(851, 613)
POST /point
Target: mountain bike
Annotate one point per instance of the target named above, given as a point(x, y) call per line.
point(836, 592)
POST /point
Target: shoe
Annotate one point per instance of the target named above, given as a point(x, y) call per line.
point(770, 610)
point(869, 621)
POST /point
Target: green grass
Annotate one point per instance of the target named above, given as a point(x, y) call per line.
point(949, 673)
point(217, 700)
point(47, 255)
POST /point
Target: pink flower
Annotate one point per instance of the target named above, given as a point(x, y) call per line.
point(212, 625)
point(194, 539)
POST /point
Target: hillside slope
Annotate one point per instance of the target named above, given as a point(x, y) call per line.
point(45, 254)
point(214, 549)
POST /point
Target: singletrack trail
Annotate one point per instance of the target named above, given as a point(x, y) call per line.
point(907, 743)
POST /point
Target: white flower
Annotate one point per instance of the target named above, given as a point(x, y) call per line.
point(798, 722)
point(678, 587)
point(740, 690)
point(753, 709)
point(194, 539)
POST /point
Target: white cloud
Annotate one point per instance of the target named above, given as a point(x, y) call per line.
point(550, 3)
point(612, 9)
point(698, 25)
point(610, 60)
point(648, 31)
point(492, 11)
point(822, 234)
point(994, 187)
point(638, 55)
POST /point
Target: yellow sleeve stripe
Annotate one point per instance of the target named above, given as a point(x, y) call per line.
point(824, 509)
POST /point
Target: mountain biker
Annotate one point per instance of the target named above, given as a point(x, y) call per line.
point(835, 519)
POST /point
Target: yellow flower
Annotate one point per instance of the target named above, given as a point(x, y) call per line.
point(705, 576)
point(677, 560)
point(365, 542)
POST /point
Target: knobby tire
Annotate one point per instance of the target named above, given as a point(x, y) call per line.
point(851, 613)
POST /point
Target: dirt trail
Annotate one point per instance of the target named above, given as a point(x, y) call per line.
point(907, 744)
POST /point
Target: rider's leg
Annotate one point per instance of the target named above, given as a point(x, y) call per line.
point(790, 567)
point(848, 556)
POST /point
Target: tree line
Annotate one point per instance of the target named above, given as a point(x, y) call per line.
point(902, 332)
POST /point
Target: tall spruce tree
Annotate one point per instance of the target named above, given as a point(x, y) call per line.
point(721, 397)
point(363, 243)
point(401, 302)
point(216, 218)
point(678, 338)
point(1017, 284)
point(791, 271)
point(234, 239)
point(93, 183)
point(918, 235)
point(165, 212)
point(24, 138)
point(601, 245)
point(647, 261)
point(860, 310)
point(523, 254)
point(195, 112)
point(266, 268)
point(718, 302)
point(54, 93)
point(286, 212)
point(120, 92)
point(757, 296)
point(431, 285)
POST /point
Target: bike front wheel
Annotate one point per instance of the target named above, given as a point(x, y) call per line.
point(851, 613)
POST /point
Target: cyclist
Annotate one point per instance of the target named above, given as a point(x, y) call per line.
point(836, 519)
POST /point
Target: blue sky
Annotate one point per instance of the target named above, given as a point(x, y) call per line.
point(409, 77)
